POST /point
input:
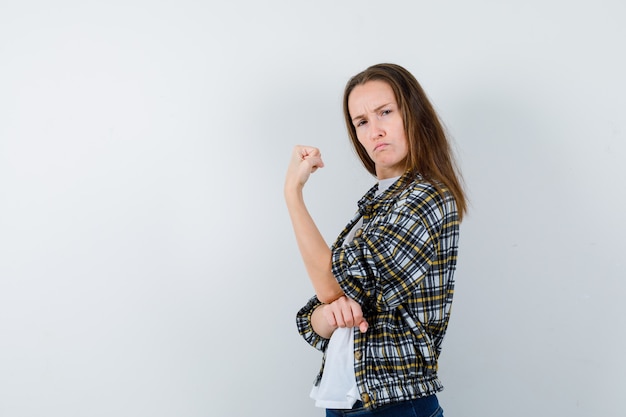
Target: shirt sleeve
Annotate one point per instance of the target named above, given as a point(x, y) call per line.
point(382, 265)
point(303, 321)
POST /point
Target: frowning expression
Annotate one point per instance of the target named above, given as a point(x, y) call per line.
point(379, 127)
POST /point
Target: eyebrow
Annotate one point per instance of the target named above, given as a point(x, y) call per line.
point(376, 110)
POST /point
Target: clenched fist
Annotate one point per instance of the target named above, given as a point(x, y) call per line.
point(304, 161)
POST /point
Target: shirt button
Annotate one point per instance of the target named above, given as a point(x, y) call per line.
point(358, 233)
point(366, 398)
point(358, 355)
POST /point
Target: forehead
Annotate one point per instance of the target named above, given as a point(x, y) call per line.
point(370, 95)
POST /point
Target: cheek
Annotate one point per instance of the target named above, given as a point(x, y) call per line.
point(406, 148)
point(404, 144)
point(367, 149)
point(361, 140)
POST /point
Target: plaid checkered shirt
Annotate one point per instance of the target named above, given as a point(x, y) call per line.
point(400, 268)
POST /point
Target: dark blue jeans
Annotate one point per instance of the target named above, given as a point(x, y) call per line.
point(421, 407)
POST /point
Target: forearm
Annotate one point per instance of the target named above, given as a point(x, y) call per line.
point(315, 252)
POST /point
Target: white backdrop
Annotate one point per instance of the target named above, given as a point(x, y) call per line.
point(147, 265)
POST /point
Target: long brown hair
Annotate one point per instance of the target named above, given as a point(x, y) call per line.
point(429, 154)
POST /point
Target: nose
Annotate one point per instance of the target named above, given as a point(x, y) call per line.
point(376, 129)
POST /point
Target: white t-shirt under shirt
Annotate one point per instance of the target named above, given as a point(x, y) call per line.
point(338, 388)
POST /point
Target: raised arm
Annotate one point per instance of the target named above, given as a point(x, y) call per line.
point(315, 252)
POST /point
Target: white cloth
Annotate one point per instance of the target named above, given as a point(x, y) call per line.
point(338, 388)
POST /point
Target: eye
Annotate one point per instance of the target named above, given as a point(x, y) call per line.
point(385, 112)
point(360, 123)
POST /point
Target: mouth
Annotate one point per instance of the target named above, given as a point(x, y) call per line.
point(380, 146)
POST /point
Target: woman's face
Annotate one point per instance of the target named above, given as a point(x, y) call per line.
point(379, 127)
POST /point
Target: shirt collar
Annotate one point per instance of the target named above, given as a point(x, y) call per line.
point(373, 199)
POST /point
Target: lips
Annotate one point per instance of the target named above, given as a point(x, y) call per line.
point(380, 146)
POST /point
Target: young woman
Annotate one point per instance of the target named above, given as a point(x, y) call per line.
point(384, 289)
